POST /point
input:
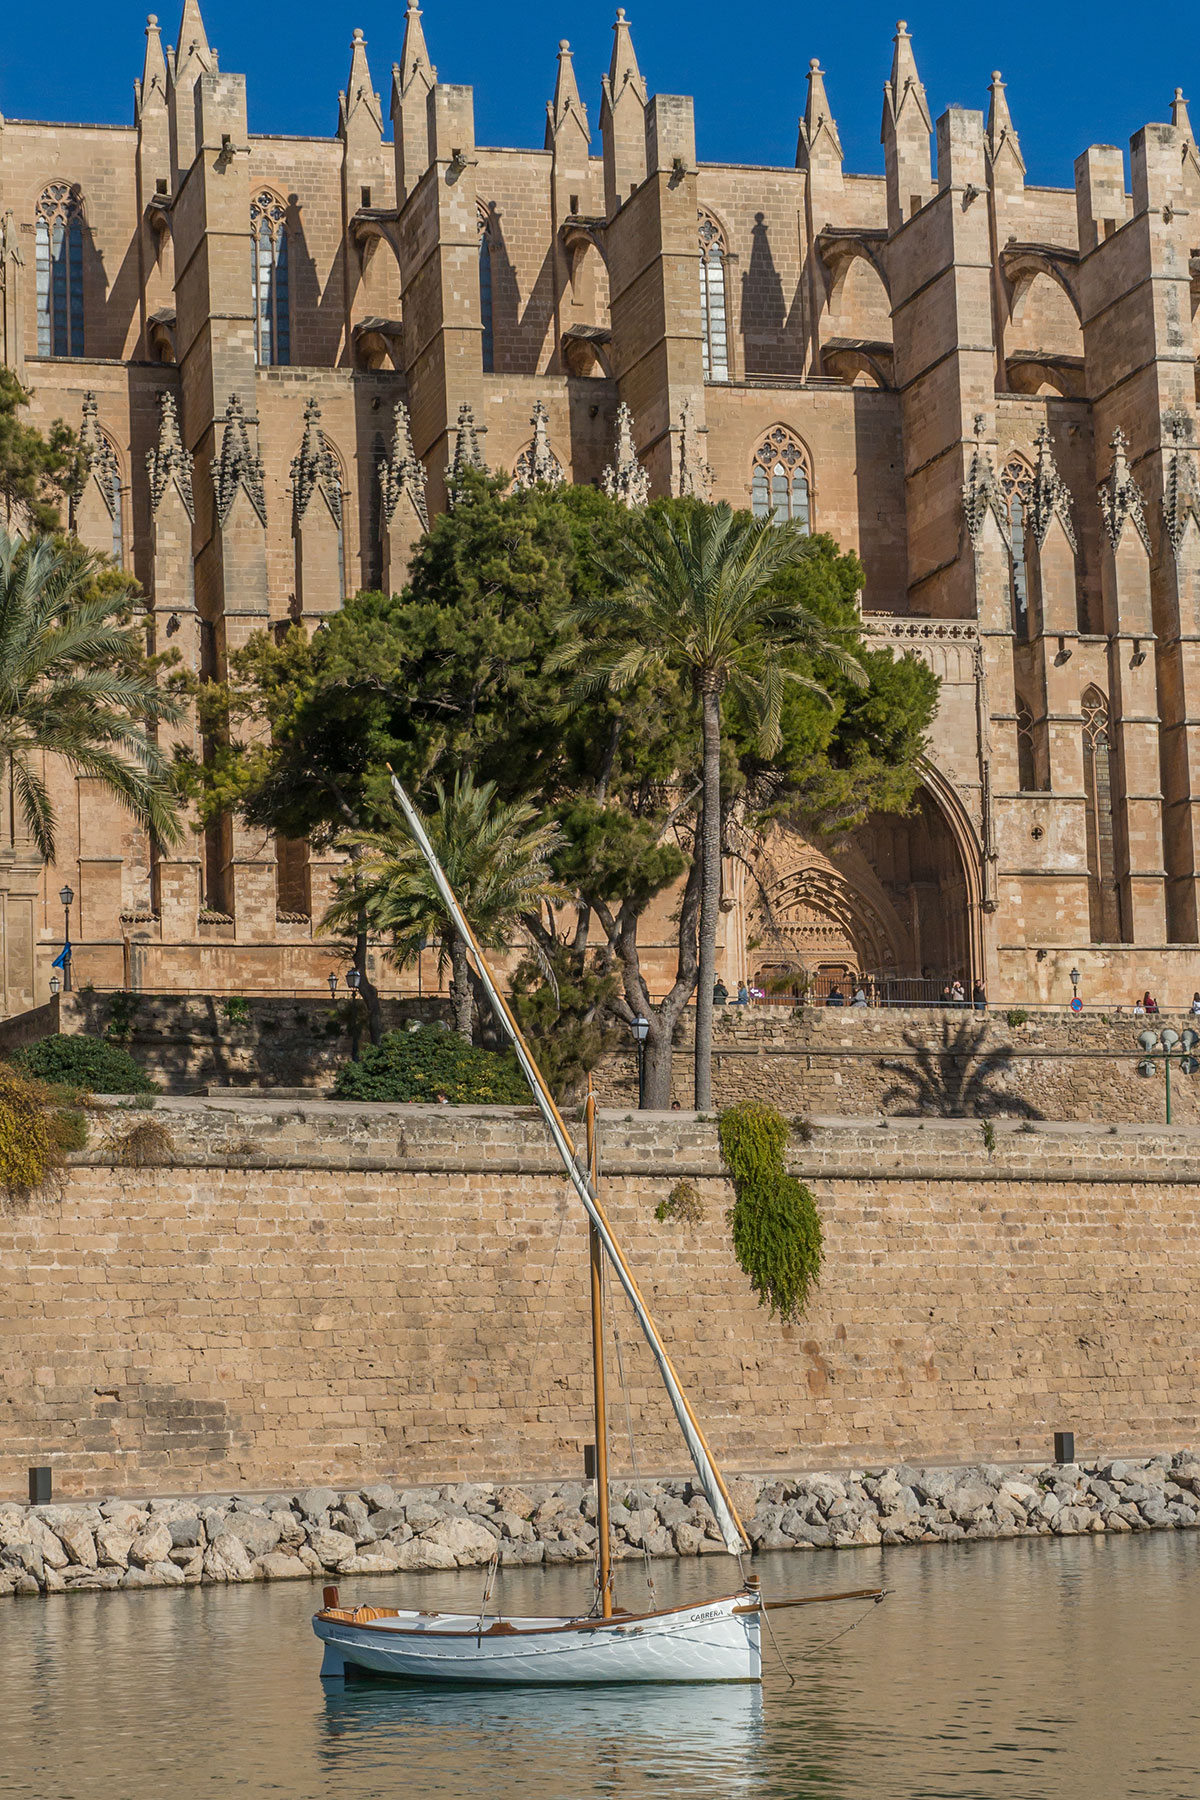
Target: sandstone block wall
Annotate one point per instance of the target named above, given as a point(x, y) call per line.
point(315, 1292)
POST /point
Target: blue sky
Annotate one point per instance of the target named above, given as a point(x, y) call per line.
point(1074, 78)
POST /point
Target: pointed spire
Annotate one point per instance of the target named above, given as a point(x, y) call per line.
point(566, 103)
point(1179, 115)
point(695, 476)
point(315, 467)
point(1181, 489)
point(905, 86)
point(818, 127)
point(625, 479)
point(169, 462)
point(1120, 496)
point(623, 70)
point(1049, 497)
point(905, 134)
point(238, 466)
point(468, 453)
point(538, 463)
point(402, 472)
point(193, 44)
point(1001, 133)
point(412, 79)
point(360, 94)
point(151, 90)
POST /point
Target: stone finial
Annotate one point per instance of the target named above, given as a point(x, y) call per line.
point(315, 468)
point(1049, 497)
point(695, 476)
point(401, 472)
point(99, 457)
point(538, 464)
point(468, 453)
point(818, 127)
point(169, 462)
point(1001, 133)
point(360, 92)
point(625, 479)
point(566, 103)
point(1181, 493)
point(981, 492)
point(905, 92)
point(1120, 498)
point(238, 466)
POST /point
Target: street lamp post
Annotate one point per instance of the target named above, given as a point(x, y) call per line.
point(67, 896)
point(1163, 1043)
point(1076, 978)
point(641, 1031)
point(55, 984)
point(333, 981)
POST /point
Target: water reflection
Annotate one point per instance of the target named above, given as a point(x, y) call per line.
point(550, 1741)
point(994, 1672)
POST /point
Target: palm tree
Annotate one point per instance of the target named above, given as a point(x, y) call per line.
point(696, 598)
point(73, 685)
point(495, 858)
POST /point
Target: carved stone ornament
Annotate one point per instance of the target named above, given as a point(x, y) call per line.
point(169, 462)
point(537, 463)
point(467, 451)
point(98, 454)
point(315, 468)
point(981, 493)
point(238, 466)
point(1120, 498)
point(1049, 498)
point(695, 476)
point(402, 472)
point(625, 479)
point(1181, 495)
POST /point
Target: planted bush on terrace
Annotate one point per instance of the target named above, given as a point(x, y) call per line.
point(774, 1221)
point(81, 1061)
point(417, 1066)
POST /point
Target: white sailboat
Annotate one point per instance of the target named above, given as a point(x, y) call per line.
point(717, 1641)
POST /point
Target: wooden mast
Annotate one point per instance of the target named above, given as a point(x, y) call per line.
point(599, 1401)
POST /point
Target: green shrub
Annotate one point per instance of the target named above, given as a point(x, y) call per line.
point(237, 1010)
point(682, 1204)
point(419, 1065)
point(774, 1220)
point(1016, 1016)
point(27, 1152)
point(91, 1063)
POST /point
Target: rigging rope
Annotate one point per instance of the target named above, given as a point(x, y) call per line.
point(562, 1219)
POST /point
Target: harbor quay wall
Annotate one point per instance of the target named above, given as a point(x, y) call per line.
point(314, 1292)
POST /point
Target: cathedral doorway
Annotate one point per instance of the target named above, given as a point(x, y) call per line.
point(891, 907)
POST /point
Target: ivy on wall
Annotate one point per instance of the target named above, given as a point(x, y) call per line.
point(774, 1220)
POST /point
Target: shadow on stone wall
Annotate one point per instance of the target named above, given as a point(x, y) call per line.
point(957, 1079)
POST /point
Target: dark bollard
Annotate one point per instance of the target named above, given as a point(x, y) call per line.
point(1064, 1446)
point(39, 1487)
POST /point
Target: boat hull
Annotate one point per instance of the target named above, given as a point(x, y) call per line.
point(718, 1641)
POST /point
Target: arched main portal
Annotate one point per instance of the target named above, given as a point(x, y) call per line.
point(898, 901)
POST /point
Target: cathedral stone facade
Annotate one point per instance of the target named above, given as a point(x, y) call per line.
point(277, 349)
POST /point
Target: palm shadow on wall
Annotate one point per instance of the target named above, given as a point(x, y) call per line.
point(955, 1080)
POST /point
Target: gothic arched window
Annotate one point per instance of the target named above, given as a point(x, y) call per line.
point(485, 295)
point(1016, 484)
point(60, 272)
point(712, 301)
point(269, 265)
point(780, 483)
point(1104, 905)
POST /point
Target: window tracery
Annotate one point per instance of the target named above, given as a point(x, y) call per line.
point(1016, 485)
point(714, 331)
point(780, 483)
point(1027, 779)
point(1103, 893)
point(59, 255)
point(269, 264)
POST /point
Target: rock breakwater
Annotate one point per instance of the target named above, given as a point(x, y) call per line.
point(383, 1529)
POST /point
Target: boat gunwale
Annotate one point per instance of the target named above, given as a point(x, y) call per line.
point(331, 1617)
